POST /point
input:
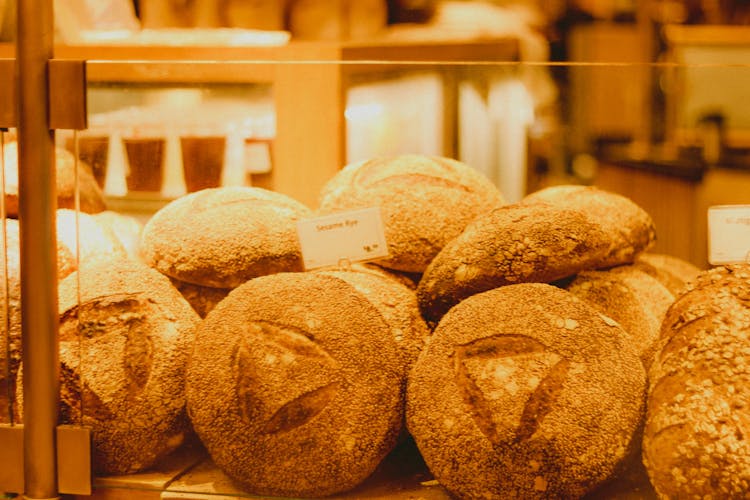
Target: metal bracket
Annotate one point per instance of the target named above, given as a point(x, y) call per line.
point(67, 94)
point(8, 103)
point(74, 460)
point(11, 459)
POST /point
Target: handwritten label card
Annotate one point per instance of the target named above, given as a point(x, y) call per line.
point(345, 237)
point(728, 234)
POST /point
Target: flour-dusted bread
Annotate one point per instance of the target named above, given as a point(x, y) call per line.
point(66, 264)
point(396, 302)
point(673, 272)
point(630, 228)
point(695, 442)
point(90, 194)
point(125, 338)
point(525, 391)
point(87, 239)
point(221, 237)
point(636, 300)
point(516, 243)
point(295, 385)
point(125, 228)
point(426, 201)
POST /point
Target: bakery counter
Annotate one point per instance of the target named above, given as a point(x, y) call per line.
point(677, 192)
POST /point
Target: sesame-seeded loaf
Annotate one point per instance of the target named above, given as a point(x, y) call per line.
point(296, 385)
point(130, 364)
point(636, 300)
point(525, 391)
point(221, 237)
point(425, 200)
point(695, 442)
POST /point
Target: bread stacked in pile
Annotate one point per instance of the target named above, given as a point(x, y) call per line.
point(514, 342)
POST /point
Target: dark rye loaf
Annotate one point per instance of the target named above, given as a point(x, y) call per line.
point(425, 200)
point(296, 385)
point(525, 392)
point(696, 442)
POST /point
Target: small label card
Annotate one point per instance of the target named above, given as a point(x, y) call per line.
point(728, 234)
point(344, 237)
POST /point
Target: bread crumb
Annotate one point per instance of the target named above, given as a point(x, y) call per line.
point(571, 324)
point(540, 484)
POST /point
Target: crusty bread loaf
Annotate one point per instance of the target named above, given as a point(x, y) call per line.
point(221, 237)
point(629, 227)
point(126, 229)
point(397, 304)
point(87, 239)
point(66, 264)
point(512, 244)
point(129, 367)
point(295, 385)
point(695, 443)
point(90, 194)
point(425, 201)
point(525, 391)
point(201, 298)
point(673, 272)
point(636, 300)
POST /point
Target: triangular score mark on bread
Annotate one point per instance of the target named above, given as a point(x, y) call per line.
point(120, 315)
point(494, 371)
point(283, 378)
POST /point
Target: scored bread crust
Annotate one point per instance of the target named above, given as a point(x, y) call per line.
point(123, 353)
point(295, 385)
point(221, 237)
point(512, 244)
point(636, 300)
point(695, 442)
point(425, 202)
point(525, 392)
point(630, 228)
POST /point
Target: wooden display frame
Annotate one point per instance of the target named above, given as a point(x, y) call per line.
point(309, 82)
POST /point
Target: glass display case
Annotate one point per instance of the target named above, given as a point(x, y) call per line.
point(165, 127)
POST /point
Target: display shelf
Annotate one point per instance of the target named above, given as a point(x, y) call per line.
point(309, 82)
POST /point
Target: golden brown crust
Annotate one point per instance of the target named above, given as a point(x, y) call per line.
point(673, 272)
point(126, 229)
point(137, 331)
point(90, 194)
point(695, 442)
point(397, 304)
point(525, 391)
point(221, 237)
point(295, 386)
point(512, 244)
point(86, 239)
point(630, 229)
point(636, 300)
point(426, 201)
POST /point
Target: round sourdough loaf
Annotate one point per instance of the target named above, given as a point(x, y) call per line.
point(86, 239)
point(126, 229)
point(425, 201)
point(221, 237)
point(512, 244)
point(295, 385)
point(636, 300)
point(673, 272)
point(629, 227)
point(125, 337)
point(11, 331)
point(90, 194)
point(525, 391)
point(695, 442)
point(397, 304)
